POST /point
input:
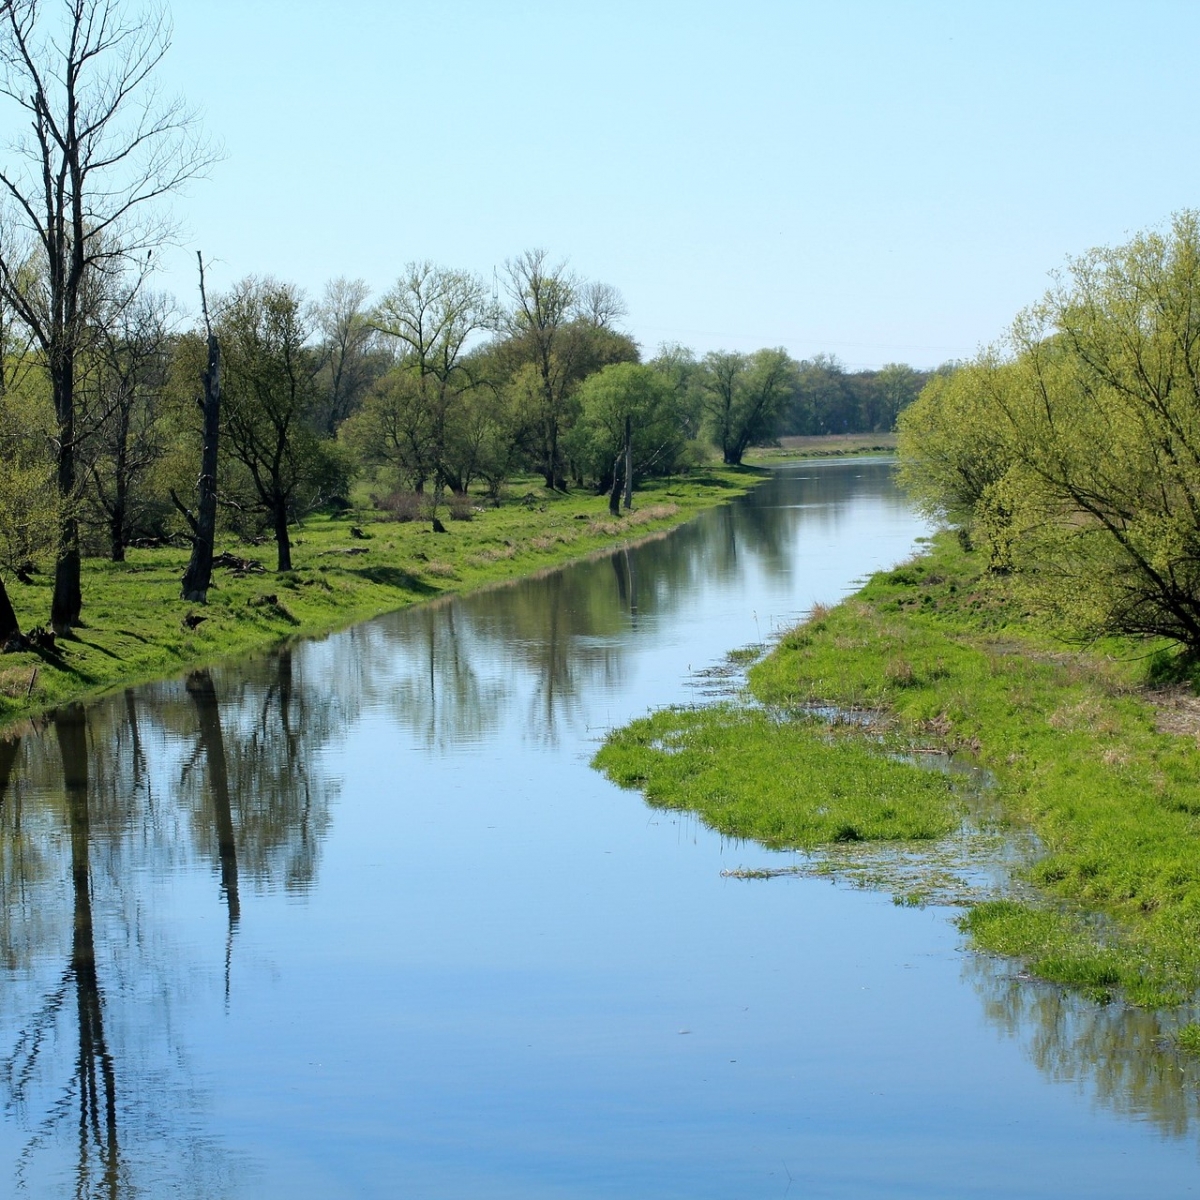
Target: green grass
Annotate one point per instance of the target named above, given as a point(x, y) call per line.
point(135, 627)
point(791, 784)
point(1187, 1039)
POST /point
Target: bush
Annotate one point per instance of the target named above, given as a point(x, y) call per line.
point(461, 507)
point(403, 506)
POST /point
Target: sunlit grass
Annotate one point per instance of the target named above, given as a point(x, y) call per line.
point(790, 784)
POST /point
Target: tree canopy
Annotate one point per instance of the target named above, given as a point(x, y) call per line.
point(1073, 448)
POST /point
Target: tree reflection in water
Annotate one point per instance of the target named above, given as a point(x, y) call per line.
point(99, 811)
point(203, 691)
point(1122, 1054)
point(91, 1091)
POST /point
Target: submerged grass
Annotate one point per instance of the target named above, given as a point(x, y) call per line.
point(136, 628)
point(1072, 739)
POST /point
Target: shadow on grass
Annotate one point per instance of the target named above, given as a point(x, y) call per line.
point(724, 484)
point(94, 646)
point(394, 577)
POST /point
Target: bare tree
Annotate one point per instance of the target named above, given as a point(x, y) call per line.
point(80, 195)
point(601, 304)
point(352, 358)
point(128, 381)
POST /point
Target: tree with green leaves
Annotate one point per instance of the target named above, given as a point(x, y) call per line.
point(631, 425)
point(557, 331)
point(1082, 440)
point(745, 395)
point(268, 397)
point(432, 313)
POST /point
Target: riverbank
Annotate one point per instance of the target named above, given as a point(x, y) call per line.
point(1104, 770)
point(348, 567)
point(826, 445)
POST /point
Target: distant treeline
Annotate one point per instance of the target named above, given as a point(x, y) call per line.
point(830, 399)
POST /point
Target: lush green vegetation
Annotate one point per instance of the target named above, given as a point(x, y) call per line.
point(347, 565)
point(750, 776)
point(829, 400)
point(1072, 449)
point(948, 649)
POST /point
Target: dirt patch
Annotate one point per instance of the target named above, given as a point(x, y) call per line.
point(1176, 710)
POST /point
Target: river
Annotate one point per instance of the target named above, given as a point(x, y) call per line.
point(357, 919)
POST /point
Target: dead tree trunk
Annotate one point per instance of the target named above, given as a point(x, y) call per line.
point(198, 576)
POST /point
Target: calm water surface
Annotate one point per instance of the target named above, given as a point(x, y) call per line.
point(358, 920)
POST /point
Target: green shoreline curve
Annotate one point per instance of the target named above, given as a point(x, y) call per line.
point(1074, 741)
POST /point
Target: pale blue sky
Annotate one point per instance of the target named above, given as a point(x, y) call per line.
point(882, 181)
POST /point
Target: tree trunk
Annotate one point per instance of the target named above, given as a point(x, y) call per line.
point(10, 630)
point(628, 461)
point(614, 496)
point(198, 576)
point(67, 600)
point(283, 544)
point(116, 525)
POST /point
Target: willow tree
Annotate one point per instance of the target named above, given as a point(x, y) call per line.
point(80, 194)
point(1082, 437)
point(744, 397)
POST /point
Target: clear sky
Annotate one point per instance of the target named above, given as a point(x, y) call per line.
point(879, 181)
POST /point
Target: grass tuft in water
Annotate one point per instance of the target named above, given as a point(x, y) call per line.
point(787, 784)
point(1187, 1039)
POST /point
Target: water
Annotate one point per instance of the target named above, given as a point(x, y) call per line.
point(359, 920)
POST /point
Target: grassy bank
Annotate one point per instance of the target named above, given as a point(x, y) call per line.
point(1106, 772)
point(348, 567)
point(828, 445)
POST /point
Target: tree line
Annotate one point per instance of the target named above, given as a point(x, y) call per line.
point(829, 399)
point(120, 427)
point(1070, 451)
